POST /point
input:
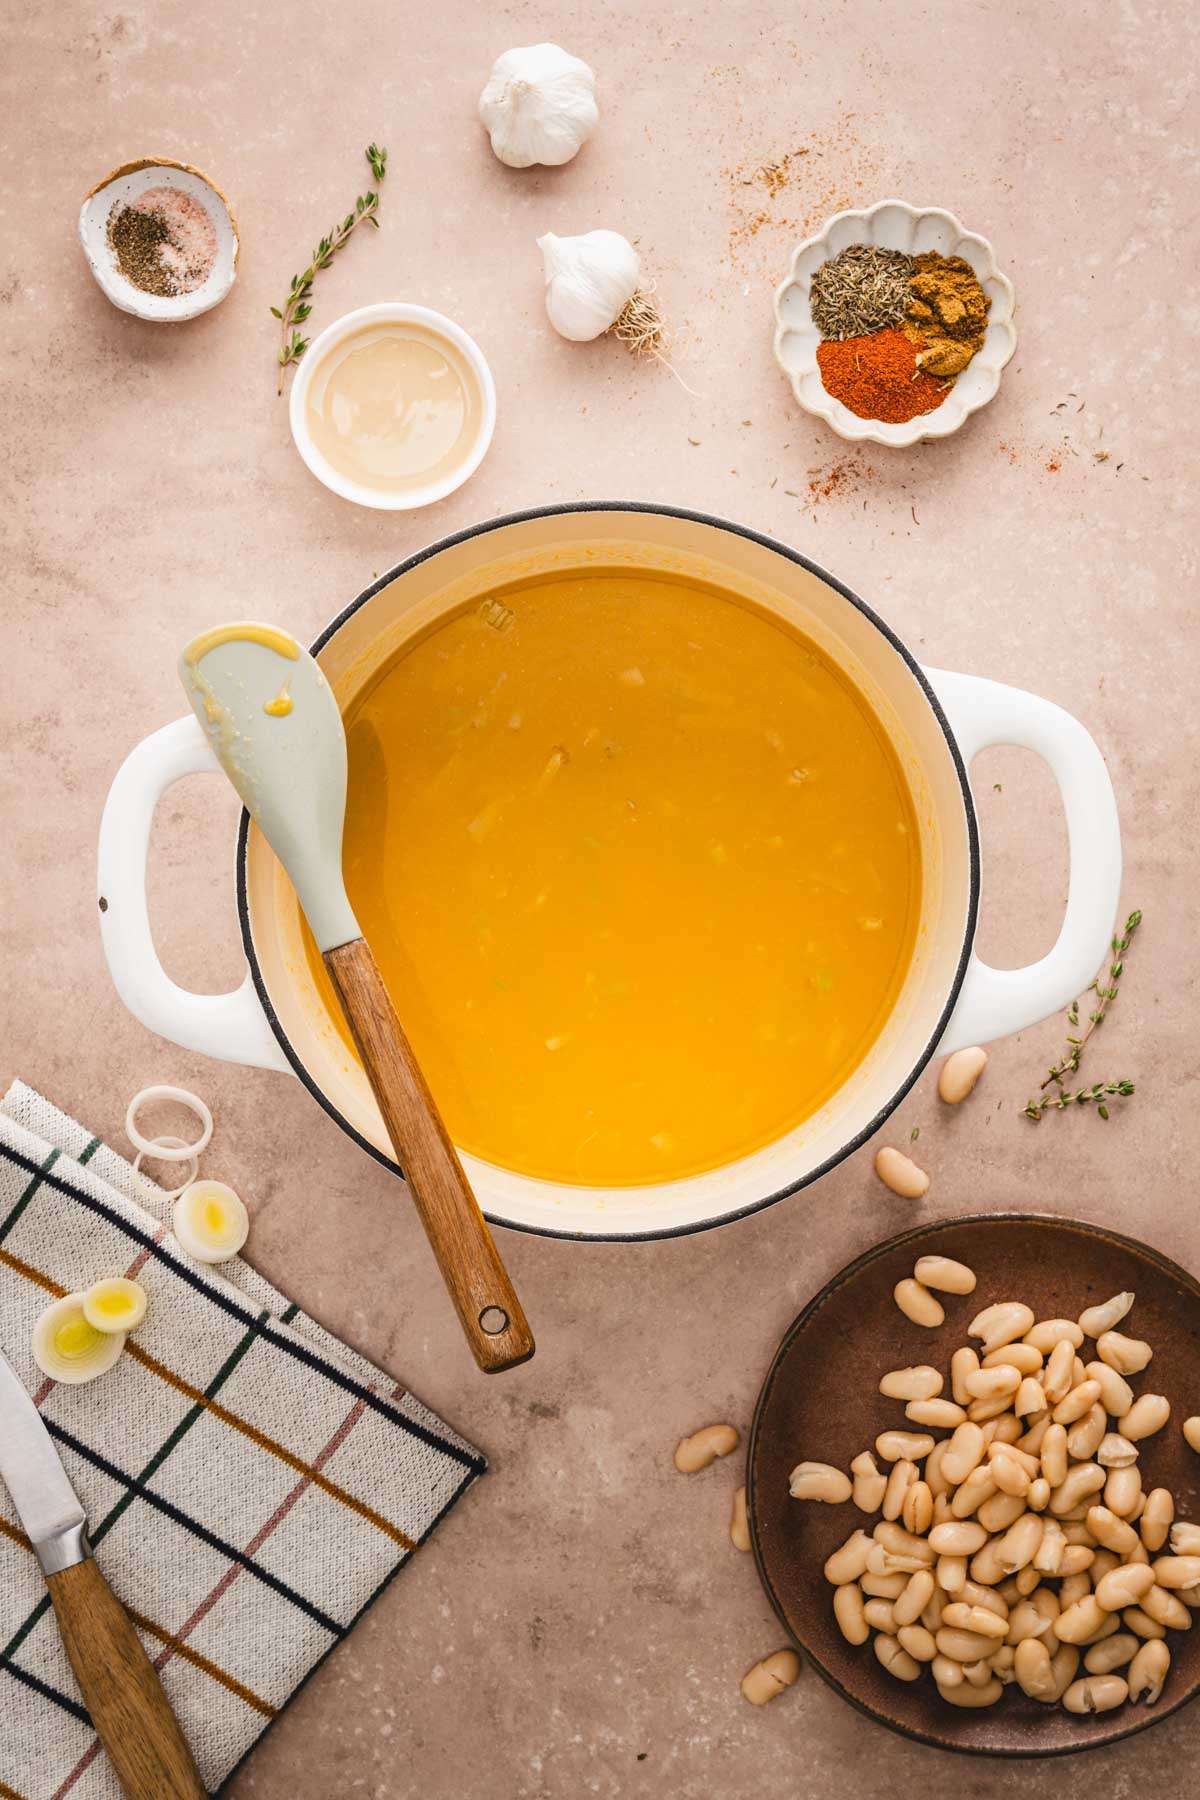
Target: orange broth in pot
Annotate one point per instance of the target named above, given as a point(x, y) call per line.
point(640, 868)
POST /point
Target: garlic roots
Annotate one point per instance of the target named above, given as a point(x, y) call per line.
point(590, 280)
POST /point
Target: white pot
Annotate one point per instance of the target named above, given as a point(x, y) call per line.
point(937, 722)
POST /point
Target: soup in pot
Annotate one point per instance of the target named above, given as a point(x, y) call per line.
point(640, 868)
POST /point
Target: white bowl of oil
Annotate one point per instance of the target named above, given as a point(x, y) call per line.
point(393, 406)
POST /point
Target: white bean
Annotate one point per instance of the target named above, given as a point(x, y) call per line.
point(918, 1383)
point(1122, 1491)
point(943, 1273)
point(1116, 1395)
point(979, 1619)
point(895, 1658)
point(1030, 1398)
point(1079, 1401)
point(1148, 1671)
point(964, 1362)
point(946, 1673)
point(1080, 1620)
point(1056, 1376)
point(915, 1598)
point(966, 1695)
point(1000, 1324)
point(879, 1615)
point(1166, 1608)
point(943, 1415)
point(1115, 1533)
point(1116, 1452)
point(1112, 1653)
point(917, 1303)
point(770, 1676)
point(883, 1587)
point(704, 1447)
point(1148, 1414)
point(1157, 1516)
point(1054, 1455)
point(901, 1174)
point(964, 1454)
point(917, 1511)
point(1099, 1319)
point(1123, 1587)
point(849, 1562)
point(1191, 1431)
point(1082, 1480)
point(902, 1475)
point(895, 1445)
point(961, 1538)
point(1139, 1620)
point(1019, 1545)
point(1031, 1662)
point(869, 1483)
point(1085, 1437)
point(739, 1530)
point(848, 1611)
point(918, 1641)
point(819, 1481)
point(1177, 1571)
point(1128, 1356)
point(963, 1646)
point(1096, 1694)
point(956, 1078)
point(1047, 1333)
point(1001, 1378)
point(1021, 1356)
point(1000, 1511)
point(1185, 1538)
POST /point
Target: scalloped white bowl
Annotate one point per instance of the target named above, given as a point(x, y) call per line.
point(893, 225)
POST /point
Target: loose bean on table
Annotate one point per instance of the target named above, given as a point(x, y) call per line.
point(770, 1677)
point(739, 1529)
point(704, 1447)
point(957, 1077)
point(901, 1174)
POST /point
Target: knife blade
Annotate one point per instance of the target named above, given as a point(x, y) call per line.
point(130, 1711)
point(47, 1505)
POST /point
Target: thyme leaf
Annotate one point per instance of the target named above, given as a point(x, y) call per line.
point(1105, 988)
point(296, 307)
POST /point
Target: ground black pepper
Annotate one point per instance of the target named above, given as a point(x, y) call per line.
point(136, 239)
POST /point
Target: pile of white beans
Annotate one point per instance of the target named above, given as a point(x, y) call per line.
point(1022, 1545)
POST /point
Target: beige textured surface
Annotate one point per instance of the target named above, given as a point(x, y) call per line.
point(584, 1610)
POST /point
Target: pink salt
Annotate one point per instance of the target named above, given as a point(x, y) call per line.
point(191, 246)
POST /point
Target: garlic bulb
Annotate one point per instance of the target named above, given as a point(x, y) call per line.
point(539, 105)
point(589, 281)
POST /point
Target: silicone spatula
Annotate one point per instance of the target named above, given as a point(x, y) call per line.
point(276, 729)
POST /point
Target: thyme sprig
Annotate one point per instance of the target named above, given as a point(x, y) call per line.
point(1105, 989)
point(296, 307)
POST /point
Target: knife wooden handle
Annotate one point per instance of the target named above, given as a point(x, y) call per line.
point(484, 1298)
point(129, 1709)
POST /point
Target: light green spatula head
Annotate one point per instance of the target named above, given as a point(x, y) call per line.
point(274, 725)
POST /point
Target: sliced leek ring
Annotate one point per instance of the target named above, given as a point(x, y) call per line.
point(115, 1305)
point(210, 1221)
point(161, 1148)
point(69, 1349)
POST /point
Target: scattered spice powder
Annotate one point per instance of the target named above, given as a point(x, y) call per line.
point(863, 288)
point(876, 376)
point(164, 242)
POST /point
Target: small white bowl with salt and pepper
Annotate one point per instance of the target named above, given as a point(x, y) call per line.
point(892, 225)
point(160, 238)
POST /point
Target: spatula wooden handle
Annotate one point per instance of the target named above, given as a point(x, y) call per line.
point(132, 1715)
point(484, 1298)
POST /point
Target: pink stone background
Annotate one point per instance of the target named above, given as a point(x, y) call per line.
point(581, 1623)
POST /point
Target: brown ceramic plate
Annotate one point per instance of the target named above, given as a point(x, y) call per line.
point(820, 1400)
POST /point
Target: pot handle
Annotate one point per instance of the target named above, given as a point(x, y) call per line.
point(996, 1002)
point(233, 1026)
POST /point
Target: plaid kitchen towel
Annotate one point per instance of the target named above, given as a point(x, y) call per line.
point(251, 1485)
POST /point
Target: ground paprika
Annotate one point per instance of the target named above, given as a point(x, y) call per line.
point(876, 376)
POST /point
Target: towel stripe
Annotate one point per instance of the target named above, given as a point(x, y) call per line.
point(26, 1196)
point(175, 1647)
point(206, 1403)
point(7, 1793)
point(300, 1352)
point(45, 1690)
point(178, 1517)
